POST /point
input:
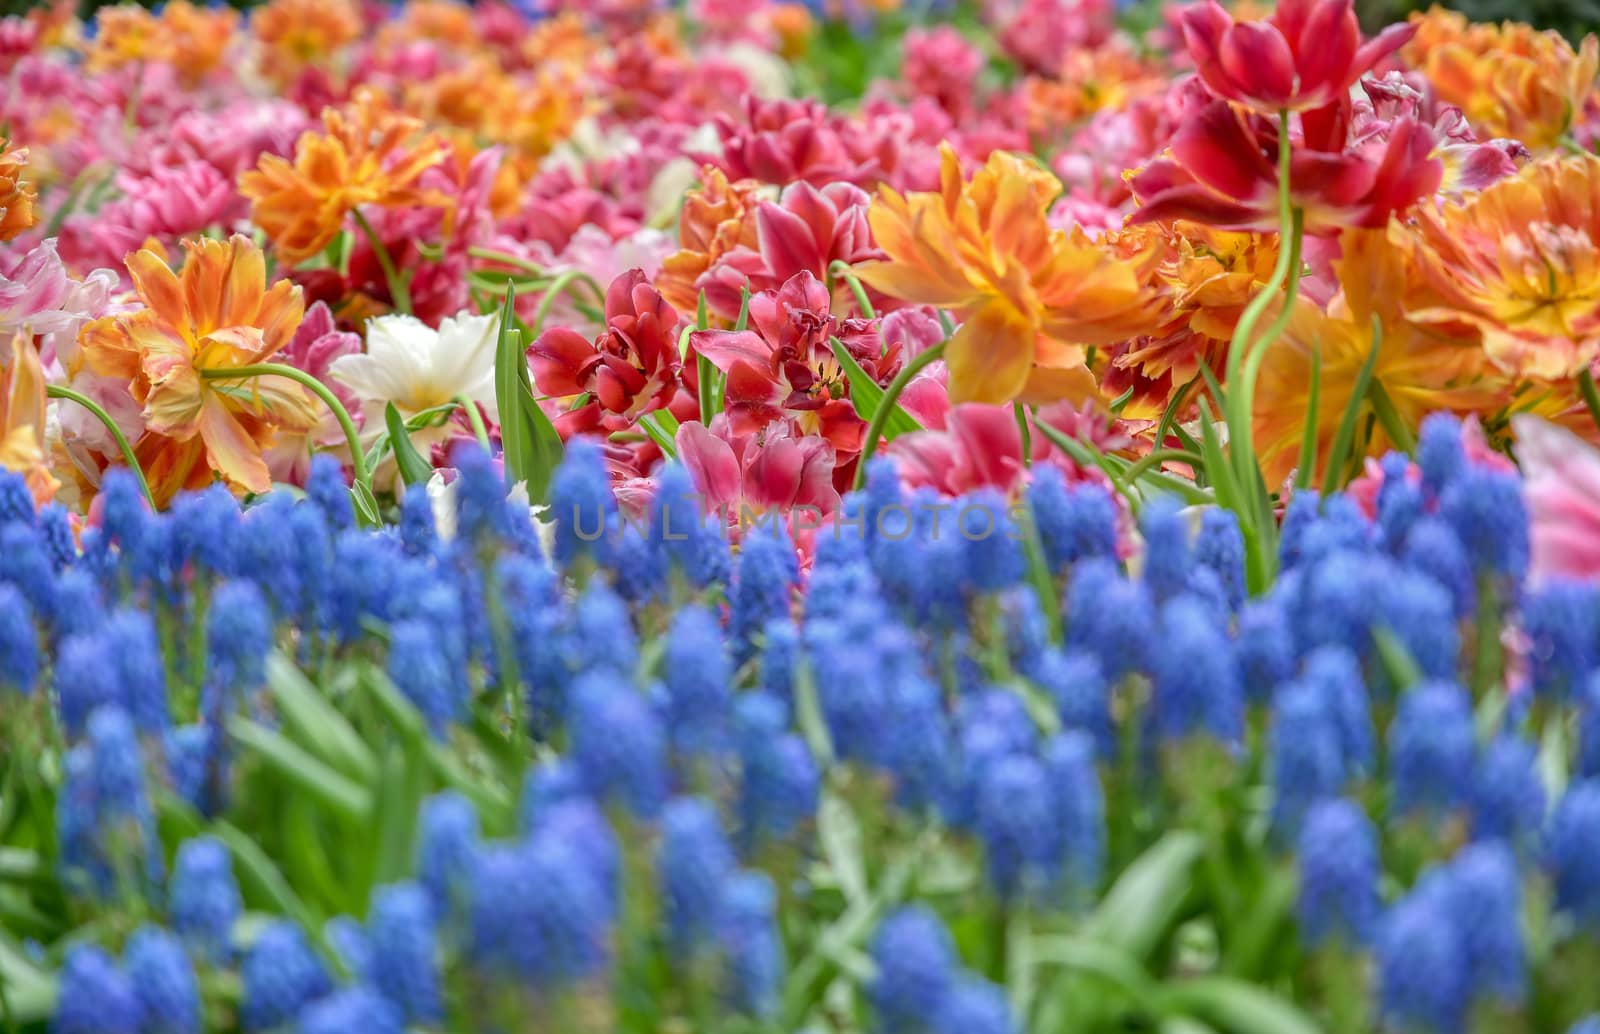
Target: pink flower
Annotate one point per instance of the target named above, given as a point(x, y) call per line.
point(778, 468)
point(38, 296)
point(805, 231)
point(1561, 481)
point(316, 344)
point(785, 141)
point(940, 63)
point(979, 446)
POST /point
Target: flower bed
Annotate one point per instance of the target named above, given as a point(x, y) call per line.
point(948, 518)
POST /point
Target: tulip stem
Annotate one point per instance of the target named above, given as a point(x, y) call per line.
point(399, 292)
point(358, 460)
point(479, 430)
point(558, 286)
point(1591, 397)
point(886, 405)
point(59, 391)
point(840, 270)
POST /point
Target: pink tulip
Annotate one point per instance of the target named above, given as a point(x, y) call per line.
point(1561, 480)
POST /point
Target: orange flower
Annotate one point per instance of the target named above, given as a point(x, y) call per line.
point(717, 218)
point(367, 156)
point(217, 314)
point(1030, 297)
point(1516, 265)
point(1208, 276)
point(1510, 80)
point(1420, 368)
point(126, 35)
point(1110, 76)
point(561, 40)
point(200, 37)
point(438, 21)
point(22, 416)
point(295, 34)
point(17, 197)
point(794, 27)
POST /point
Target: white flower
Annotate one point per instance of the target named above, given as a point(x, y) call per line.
point(416, 367)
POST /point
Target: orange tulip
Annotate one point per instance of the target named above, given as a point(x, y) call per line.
point(22, 416)
point(1516, 266)
point(366, 156)
point(17, 197)
point(1419, 368)
point(217, 314)
point(717, 217)
point(200, 37)
point(1030, 297)
point(296, 34)
point(126, 35)
point(1510, 80)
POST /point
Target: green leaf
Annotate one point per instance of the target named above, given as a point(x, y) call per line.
point(547, 447)
point(1344, 437)
point(1397, 661)
point(1149, 897)
point(1306, 469)
point(366, 506)
point(1236, 1007)
point(665, 440)
point(808, 715)
point(839, 833)
point(29, 992)
point(300, 769)
point(414, 470)
point(866, 396)
point(530, 442)
point(395, 808)
point(260, 880)
point(316, 724)
point(1103, 960)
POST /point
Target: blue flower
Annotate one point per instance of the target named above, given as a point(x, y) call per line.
point(1423, 967)
point(916, 969)
point(1337, 850)
point(618, 743)
point(482, 518)
point(779, 781)
point(84, 678)
point(404, 966)
point(1077, 685)
point(550, 782)
point(538, 914)
point(80, 604)
point(1431, 746)
point(95, 997)
point(694, 864)
point(767, 572)
point(1486, 509)
point(204, 526)
point(699, 681)
point(919, 751)
point(973, 1006)
point(780, 652)
point(602, 638)
point(281, 975)
point(55, 528)
point(1196, 683)
point(19, 643)
point(1305, 756)
point(328, 490)
point(25, 564)
point(164, 982)
point(354, 1009)
point(1220, 547)
point(992, 540)
point(1562, 622)
point(1335, 674)
point(418, 668)
point(1588, 708)
point(135, 648)
point(418, 532)
point(447, 840)
point(1112, 617)
point(1420, 613)
point(205, 901)
point(747, 934)
point(580, 826)
point(1075, 522)
point(1342, 527)
point(1570, 856)
point(1433, 549)
point(681, 535)
point(1440, 454)
point(1588, 1025)
point(238, 638)
point(1302, 512)
point(1018, 826)
point(637, 569)
point(1079, 807)
point(16, 501)
point(1167, 556)
point(581, 502)
point(1508, 797)
point(1400, 500)
point(1486, 907)
point(360, 584)
point(1264, 647)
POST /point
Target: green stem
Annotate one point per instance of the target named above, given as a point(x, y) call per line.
point(840, 270)
point(1591, 397)
point(1156, 458)
point(1393, 424)
point(358, 461)
point(559, 286)
point(399, 291)
point(891, 395)
point(59, 391)
point(1021, 412)
point(479, 431)
point(505, 258)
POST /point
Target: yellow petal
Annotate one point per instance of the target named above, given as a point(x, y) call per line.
point(991, 356)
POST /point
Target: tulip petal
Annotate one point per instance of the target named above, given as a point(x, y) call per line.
point(990, 355)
